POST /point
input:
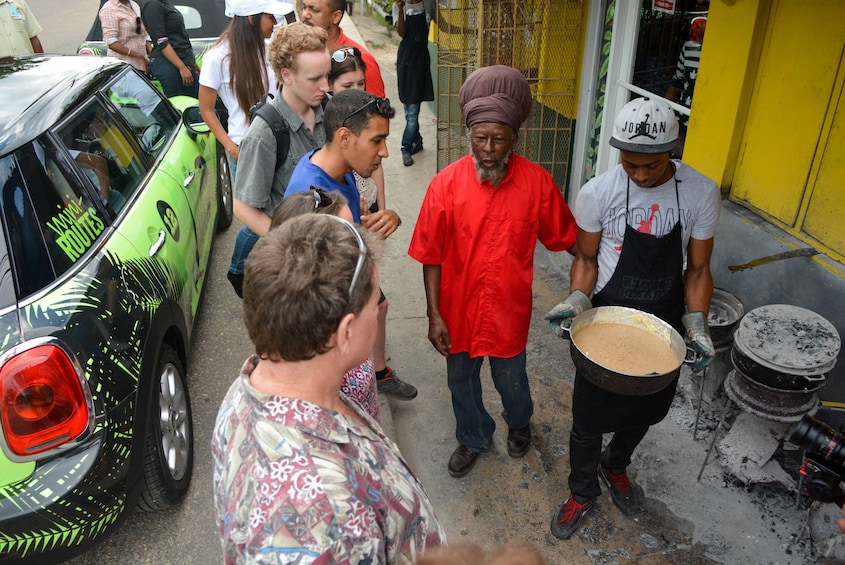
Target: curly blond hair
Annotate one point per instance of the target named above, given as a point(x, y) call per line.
point(291, 40)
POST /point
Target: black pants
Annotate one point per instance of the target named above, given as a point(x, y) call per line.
point(585, 455)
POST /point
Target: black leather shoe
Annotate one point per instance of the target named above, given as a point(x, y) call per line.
point(519, 441)
point(462, 461)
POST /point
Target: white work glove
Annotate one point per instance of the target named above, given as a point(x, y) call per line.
point(574, 304)
point(698, 335)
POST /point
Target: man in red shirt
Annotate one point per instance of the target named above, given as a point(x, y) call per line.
point(475, 236)
point(327, 14)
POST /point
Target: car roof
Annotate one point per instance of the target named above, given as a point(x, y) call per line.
point(37, 90)
point(214, 19)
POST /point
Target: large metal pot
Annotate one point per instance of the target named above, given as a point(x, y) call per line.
point(769, 375)
point(785, 347)
point(614, 381)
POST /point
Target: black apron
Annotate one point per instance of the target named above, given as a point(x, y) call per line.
point(648, 277)
point(413, 62)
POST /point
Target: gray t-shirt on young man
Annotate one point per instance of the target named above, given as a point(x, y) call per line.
point(600, 206)
point(258, 183)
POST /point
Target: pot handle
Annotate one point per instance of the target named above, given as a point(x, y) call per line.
point(565, 325)
point(692, 356)
point(815, 378)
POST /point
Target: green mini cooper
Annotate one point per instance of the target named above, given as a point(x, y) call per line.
point(111, 195)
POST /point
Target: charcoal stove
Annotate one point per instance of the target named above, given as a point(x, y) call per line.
point(782, 355)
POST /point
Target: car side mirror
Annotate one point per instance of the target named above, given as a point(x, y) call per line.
point(196, 126)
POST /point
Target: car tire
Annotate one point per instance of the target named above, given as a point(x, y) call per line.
point(168, 437)
point(225, 210)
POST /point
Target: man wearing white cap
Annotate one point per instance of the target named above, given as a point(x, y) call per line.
point(645, 236)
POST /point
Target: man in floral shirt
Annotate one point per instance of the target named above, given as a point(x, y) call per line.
point(301, 474)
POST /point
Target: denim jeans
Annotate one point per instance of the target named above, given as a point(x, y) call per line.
point(233, 166)
point(244, 242)
point(411, 135)
point(475, 427)
point(170, 79)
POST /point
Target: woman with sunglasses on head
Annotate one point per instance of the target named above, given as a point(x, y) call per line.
point(359, 383)
point(236, 69)
point(124, 33)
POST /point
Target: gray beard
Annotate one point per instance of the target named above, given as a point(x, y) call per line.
point(496, 175)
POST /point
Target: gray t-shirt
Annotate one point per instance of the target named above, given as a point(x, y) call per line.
point(258, 183)
point(600, 206)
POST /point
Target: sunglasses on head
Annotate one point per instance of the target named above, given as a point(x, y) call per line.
point(341, 54)
point(362, 251)
point(382, 106)
point(138, 25)
point(321, 199)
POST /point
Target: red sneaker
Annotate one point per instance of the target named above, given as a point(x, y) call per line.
point(568, 517)
point(623, 495)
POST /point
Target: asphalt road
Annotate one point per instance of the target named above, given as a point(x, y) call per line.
point(65, 24)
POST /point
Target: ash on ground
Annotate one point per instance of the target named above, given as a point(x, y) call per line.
point(739, 485)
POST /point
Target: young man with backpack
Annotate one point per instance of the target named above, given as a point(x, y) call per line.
point(301, 62)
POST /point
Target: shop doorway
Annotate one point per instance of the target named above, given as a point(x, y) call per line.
point(643, 48)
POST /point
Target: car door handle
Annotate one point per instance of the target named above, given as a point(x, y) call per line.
point(156, 247)
point(189, 179)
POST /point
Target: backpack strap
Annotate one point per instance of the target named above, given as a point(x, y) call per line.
point(280, 128)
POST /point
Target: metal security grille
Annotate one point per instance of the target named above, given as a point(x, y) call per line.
point(541, 38)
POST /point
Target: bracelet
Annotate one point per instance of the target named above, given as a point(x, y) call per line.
point(130, 53)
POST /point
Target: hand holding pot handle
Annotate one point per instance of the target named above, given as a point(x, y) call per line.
point(561, 315)
point(698, 335)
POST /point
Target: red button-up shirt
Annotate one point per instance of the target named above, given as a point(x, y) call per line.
point(483, 238)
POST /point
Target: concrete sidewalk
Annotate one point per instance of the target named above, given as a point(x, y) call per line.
point(684, 520)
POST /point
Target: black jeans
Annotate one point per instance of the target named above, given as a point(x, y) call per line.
point(585, 456)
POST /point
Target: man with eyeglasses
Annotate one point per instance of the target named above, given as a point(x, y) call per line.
point(301, 473)
point(301, 62)
point(326, 14)
point(475, 236)
point(124, 33)
point(357, 125)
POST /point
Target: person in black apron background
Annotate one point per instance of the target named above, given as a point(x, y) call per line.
point(645, 237)
point(413, 73)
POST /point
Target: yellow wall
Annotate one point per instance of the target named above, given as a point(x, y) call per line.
point(790, 104)
point(825, 211)
point(560, 59)
point(723, 87)
point(767, 121)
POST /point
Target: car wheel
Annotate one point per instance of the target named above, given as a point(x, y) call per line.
point(169, 436)
point(225, 210)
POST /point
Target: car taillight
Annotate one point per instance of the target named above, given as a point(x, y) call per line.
point(45, 402)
